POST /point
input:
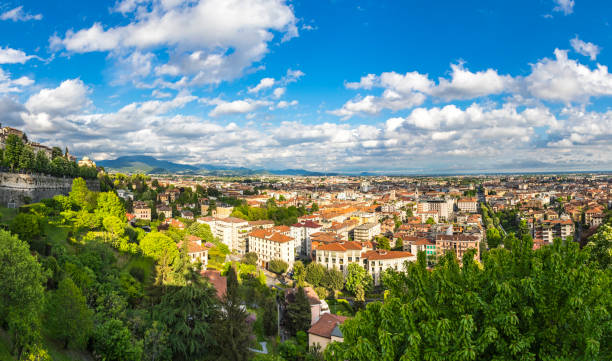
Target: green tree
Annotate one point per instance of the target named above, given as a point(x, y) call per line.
point(21, 291)
point(493, 237)
point(549, 304)
point(298, 313)
point(190, 313)
point(278, 266)
point(79, 194)
point(270, 316)
point(314, 273)
point(41, 163)
point(299, 274)
point(600, 245)
point(67, 316)
point(201, 230)
point(250, 258)
point(26, 158)
point(430, 221)
point(113, 342)
point(383, 243)
point(333, 279)
point(409, 213)
point(157, 245)
point(56, 152)
point(314, 207)
point(156, 344)
point(233, 331)
point(108, 204)
point(12, 151)
point(358, 281)
point(26, 226)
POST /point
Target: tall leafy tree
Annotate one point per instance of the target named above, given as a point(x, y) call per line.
point(12, 151)
point(21, 290)
point(79, 194)
point(333, 279)
point(358, 281)
point(68, 318)
point(157, 245)
point(298, 313)
point(26, 158)
point(549, 304)
point(113, 342)
point(26, 226)
point(278, 266)
point(270, 316)
point(234, 332)
point(108, 204)
point(189, 313)
point(299, 273)
point(41, 163)
point(314, 273)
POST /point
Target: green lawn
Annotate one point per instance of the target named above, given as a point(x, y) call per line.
point(340, 307)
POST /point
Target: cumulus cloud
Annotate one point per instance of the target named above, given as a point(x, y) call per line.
point(566, 80)
point(564, 6)
point(465, 84)
point(279, 92)
point(70, 97)
point(13, 56)
point(264, 83)
point(404, 91)
point(235, 107)
point(587, 49)
point(208, 41)
point(10, 85)
point(18, 14)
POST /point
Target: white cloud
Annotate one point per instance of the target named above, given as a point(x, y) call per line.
point(264, 83)
point(9, 85)
point(587, 49)
point(467, 85)
point(235, 107)
point(69, 98)
point(279, 92)
point(13, 56)
point(208, 41)
point(564, 6)
point(292, 76)
point(566, 80)
point(285, 104)
point(17, 14)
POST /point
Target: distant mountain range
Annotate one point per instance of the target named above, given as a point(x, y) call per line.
point(150, 165)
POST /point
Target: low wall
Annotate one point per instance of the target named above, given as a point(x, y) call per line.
point(16, 189)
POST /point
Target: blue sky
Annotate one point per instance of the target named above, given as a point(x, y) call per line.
point(387, 86)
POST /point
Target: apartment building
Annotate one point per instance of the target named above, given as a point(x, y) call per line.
point(196, 251)
point(366, 231)
point(142, 211)
point(415, 245)
point(301, 233)
point(549, 229)
point(270, 245)
point(377, 261)
point(458, 244)
point(232, 231)
point(340, 254)
point(165, 210)
point(469, 205)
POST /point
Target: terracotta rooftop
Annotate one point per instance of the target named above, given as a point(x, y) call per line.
point(382, 254)
point(326, 325)
point(219, 282)
point(270, 235)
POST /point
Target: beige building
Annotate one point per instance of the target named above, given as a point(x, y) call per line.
point(196, 251)
point(270, 245)
point(142, 210)
point(232, 231)
point(468, 205)
point(377, 261)
point(222, 211)
point(165, 210)
point(326, 330)
point(367, 231)
point(340, 254)
point(301, 233)
point(458, 244)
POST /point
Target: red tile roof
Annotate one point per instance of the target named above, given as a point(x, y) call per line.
point(326, 324)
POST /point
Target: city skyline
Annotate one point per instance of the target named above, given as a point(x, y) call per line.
point(336, 86)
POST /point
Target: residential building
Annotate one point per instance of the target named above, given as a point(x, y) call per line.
point(458, 244)
point(377, 261)
point(326, 330)
point(196, 251)
point(367, 231)
point(340, 254)
point(270, 245)
point(468, 205)
point(222, 211)
point(165, 210)
point(232, 231)
point(301, 233)
point(142, 210)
